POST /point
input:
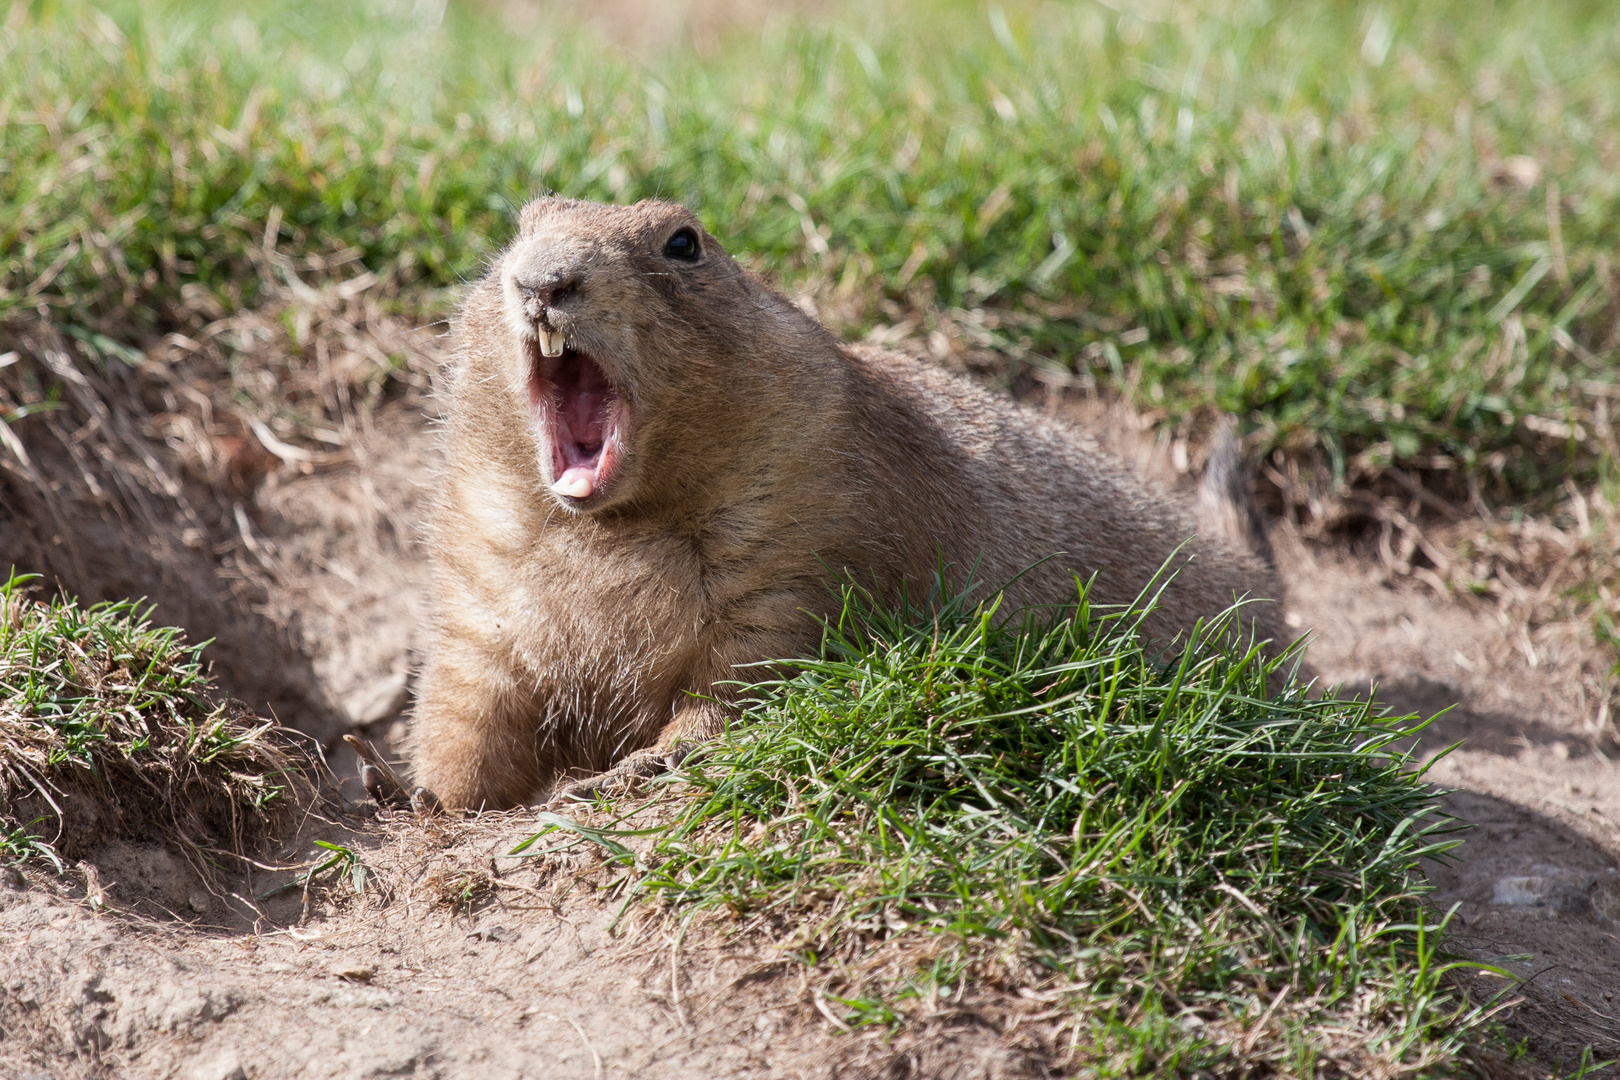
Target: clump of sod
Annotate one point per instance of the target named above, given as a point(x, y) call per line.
point(1210, 868)
point(110, 729)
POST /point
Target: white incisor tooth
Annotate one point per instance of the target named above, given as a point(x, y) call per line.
point(551, 342)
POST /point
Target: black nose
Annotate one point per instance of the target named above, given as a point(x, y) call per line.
point(548, 290)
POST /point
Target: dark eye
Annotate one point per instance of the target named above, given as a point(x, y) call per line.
point(683, 245)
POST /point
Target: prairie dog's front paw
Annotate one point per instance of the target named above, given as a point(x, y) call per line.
point(621, 778)
point(424, 803)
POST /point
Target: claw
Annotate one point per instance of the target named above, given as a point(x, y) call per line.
point(618, 780)
point(380, 781)
point(377, 784)
point(424, 803)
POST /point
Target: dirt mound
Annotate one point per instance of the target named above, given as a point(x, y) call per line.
point(222, 476)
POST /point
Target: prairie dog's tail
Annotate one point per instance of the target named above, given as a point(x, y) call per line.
point(1226, 499)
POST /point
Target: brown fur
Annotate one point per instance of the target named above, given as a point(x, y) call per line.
point(762, 453)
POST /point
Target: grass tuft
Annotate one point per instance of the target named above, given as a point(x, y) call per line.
point(1205, 864)
point(110, 729)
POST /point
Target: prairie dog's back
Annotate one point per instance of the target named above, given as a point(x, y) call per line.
point(1028, 488)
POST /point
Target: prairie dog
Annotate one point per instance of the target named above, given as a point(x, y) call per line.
point(655, 466)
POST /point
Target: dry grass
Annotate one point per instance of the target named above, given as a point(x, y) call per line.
point(176, 438)
point(1550, 572)
point(155, 473)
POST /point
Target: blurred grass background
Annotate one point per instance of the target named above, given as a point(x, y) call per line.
point(1380, 233)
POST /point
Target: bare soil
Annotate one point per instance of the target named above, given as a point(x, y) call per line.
point(1535, 881)
point(445, 966)
point(452, 960)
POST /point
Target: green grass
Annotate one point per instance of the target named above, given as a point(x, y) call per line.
point(78, 671)
point(1290, 211)
point(110, 728)
point(1162, 843)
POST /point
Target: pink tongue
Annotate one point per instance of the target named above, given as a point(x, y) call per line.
point(576, 482)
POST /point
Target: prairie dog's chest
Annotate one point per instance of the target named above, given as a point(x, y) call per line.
point(582, 602)
point(578, 600)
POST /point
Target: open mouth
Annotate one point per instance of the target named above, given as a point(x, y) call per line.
point(583, 414)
